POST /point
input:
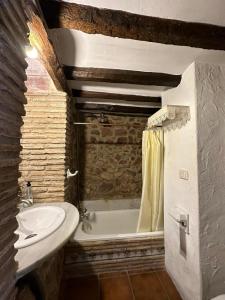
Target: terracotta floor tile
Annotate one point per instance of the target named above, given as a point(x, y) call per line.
point(84, 288)
point(168, 285)
point(112, 274)
point(115, 288)
point(118, 286)
point(147, 287)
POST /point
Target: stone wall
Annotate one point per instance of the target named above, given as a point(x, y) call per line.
point(46, 148)
point(110, 158)
point(13, 37)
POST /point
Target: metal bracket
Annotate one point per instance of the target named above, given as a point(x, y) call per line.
point(69, 174)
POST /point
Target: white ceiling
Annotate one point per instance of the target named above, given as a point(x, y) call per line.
point(76, 48)
point(127, 89)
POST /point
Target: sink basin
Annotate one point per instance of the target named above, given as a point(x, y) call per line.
point(37, 223)
point(43, 219)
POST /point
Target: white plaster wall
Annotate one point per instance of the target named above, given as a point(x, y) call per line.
point(211, 157)
point(181, 153)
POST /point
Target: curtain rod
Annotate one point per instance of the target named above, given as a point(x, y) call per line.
point(118, 124)
point(108, 124)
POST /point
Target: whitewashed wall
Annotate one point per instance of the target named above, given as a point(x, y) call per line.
point(199, 148)
point(210, 81)
point(181, 153)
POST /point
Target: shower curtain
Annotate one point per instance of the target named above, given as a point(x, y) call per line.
point(151, 210)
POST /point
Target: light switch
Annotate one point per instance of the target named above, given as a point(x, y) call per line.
point(183, 174)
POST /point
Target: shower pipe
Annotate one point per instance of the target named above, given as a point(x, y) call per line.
point(116, 125)
point(107, 124)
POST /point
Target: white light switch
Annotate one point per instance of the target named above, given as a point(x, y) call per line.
point(183, 174)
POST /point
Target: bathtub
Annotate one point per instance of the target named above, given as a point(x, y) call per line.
point(114, 224)
point(111, 244)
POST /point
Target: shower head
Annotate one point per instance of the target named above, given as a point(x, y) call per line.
point(103, 119)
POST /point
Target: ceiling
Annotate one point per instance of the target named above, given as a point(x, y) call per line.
point(76, 48)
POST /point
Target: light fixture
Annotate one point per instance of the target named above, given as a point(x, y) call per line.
point(31, 52)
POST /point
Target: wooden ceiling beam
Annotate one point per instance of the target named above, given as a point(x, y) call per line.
point(39, 39)
point(121, 76)
point(113, 96)
point(115, 109)
point(115, 23)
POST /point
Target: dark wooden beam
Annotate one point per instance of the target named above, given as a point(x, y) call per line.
point(115, 109)
point(112, 96)
point(39, 39)
point(126, 25)
point(121, 76)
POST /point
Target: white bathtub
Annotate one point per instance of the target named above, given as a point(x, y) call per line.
point(114, 224)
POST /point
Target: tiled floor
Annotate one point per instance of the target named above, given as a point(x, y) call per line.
point(121, 286)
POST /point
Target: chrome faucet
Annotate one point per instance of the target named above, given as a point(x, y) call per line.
point(27, 199)
point(85, 219)
point(25, 203)
point(84, 214)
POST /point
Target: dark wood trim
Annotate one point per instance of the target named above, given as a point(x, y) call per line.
point(40, 40)
point(115, 109)
point(121, 76)
point(112, 96)
point(126, 25)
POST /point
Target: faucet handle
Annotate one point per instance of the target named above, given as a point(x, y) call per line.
point(83, 210)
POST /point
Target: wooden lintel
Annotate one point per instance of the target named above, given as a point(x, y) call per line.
point(39, 39)
point(115, 109)
point(113, 96)
point(121, 76)
point(127, 25)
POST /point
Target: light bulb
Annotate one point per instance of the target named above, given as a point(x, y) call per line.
point(31, 52)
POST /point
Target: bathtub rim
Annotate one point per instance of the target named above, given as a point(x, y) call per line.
point(104, 237)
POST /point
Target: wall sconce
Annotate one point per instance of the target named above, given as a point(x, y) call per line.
point(31, 52)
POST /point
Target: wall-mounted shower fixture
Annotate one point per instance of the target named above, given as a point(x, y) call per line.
point(69, 174)
point(103, 119)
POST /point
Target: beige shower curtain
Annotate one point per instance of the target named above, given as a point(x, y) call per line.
point(151, 210)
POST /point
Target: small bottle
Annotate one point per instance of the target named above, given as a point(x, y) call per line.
point(29, 195)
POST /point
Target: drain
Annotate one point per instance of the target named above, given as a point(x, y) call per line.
point(30, 236)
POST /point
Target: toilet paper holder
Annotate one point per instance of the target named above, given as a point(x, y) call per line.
point(183, 221)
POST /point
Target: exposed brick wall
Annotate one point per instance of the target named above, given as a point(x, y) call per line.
point(110, 158)
point(46, 146)
point(13, 37)
point(38, 79)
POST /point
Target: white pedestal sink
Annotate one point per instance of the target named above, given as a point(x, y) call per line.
point(37, 223)
point(48, 227)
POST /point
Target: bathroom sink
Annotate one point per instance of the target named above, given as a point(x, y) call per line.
point(37, 223)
